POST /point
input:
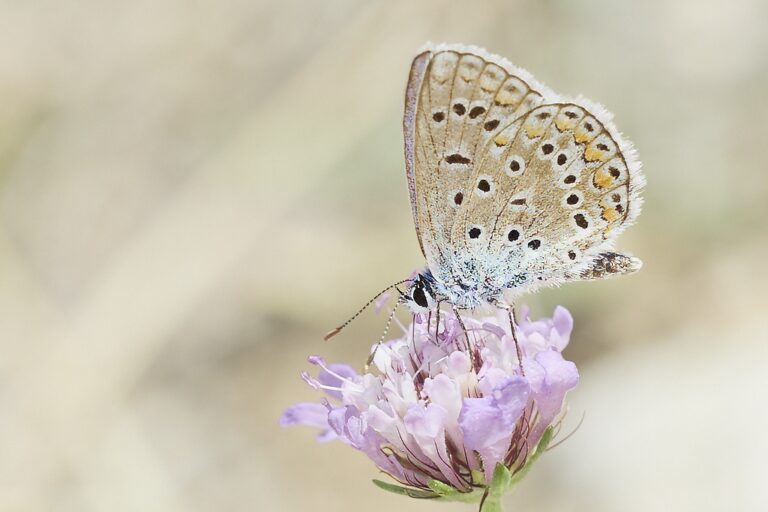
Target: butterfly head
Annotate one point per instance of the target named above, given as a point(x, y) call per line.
point(421, 296)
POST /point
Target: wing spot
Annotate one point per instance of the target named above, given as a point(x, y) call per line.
point(602, 147)
point(476, 111)
point(513, 235)
point(519, 202)
point(491, 125)
point(457, 159)
point(515, 167)
point(570, 179)
point(571, 115)
point(542, 115)
point(474, 233)
point(459, 109)
point(619, 208)
point(547, 148)
point(572, 199)
point(571, 255)
point(438, 117)
point(614, 172)
point(616, 197)
point(534, 244)
point(458, 198)
point(561, 159)
point(484, 185)
point(581, 221)
point(589, 126)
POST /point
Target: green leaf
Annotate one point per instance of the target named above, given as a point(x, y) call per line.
point(405, 491)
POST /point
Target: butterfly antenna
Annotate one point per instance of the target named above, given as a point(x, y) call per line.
point(384, 334)
point(338, 329)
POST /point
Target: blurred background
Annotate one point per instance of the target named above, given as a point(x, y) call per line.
point(193, 192)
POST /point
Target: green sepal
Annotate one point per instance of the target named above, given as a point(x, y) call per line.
point(450, 493)
point(502, 479)
point(490, 497)
point(442, 488)
point(546, 438)
point(405, 491)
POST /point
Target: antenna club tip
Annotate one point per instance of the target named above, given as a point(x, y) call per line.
point(332, 333)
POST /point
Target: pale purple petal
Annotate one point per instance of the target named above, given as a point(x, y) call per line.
point(311, 415)
point(563, 323)
point(305, 413)
point(550, 386)
point(495, 329)
point(425, 422)
point(488, 422)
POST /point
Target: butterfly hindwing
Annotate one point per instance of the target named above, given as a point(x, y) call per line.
point(550, 191)
point(457, 99)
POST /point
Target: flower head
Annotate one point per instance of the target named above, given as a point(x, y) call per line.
point(439, 418)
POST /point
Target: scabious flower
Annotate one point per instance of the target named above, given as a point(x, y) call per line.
point(445, 421)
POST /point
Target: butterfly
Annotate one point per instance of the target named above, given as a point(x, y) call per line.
point(512, 187)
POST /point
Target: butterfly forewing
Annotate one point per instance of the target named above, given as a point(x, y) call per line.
point(458, 98)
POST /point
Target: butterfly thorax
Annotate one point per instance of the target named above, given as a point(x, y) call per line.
point(473, 283)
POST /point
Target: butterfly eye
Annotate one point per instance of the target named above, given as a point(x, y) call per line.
point(419, 297)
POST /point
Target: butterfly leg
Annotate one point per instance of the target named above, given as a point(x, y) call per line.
point(512, 323)
point(470, 348)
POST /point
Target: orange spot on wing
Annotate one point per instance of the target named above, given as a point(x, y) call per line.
point(610, 214)
point(504, 98)
point(602, 179)
point(581, 135)
point(534, 130)
point(563, 123)
point(592, 154)
point(501, 139)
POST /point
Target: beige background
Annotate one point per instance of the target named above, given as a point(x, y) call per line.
point(192, 193)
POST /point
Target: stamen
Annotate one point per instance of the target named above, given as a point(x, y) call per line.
point(319, 361)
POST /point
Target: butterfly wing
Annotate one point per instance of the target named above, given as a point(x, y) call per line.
point(550, 192)
point(457, 99)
